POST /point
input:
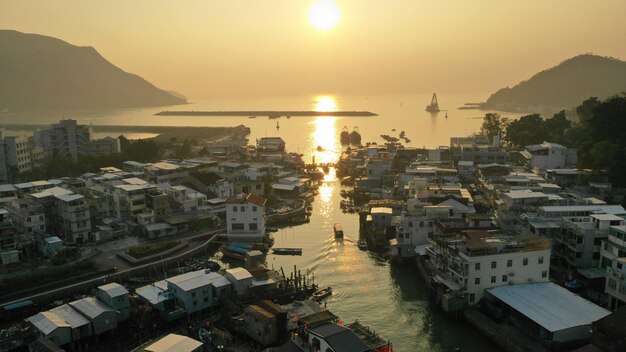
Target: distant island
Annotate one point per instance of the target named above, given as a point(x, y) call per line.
point(272, 114)
point(40, 72)
point(564, 86)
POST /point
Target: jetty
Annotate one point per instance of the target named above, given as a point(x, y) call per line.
point(271, 114)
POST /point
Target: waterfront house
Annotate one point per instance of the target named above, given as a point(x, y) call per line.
point(245, 218)
point(198, 290)
point(613, 260)
point(336, 338)
point(467, 266)
point(549, 156)
point(101, 317)
point(61, 325)
point(116, 297)
point(241, 279)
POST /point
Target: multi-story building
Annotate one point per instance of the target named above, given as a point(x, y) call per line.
point(467, 267)
point(28, 215)
point(245, 218)
point(578, 246)
point(613, 260)
point(186, 200)
point(164, 172)
point(71, 139)
point(73, 217)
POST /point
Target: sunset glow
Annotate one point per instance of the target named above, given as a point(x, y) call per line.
point(324, 14)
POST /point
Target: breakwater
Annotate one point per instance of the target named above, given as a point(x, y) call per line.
point(273, 114)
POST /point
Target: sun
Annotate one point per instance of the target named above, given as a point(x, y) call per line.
point(324, 14)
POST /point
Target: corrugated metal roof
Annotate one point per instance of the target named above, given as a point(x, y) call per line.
point(550, 305)
point(174, 343)
point(114, 289)
point(91, 307)
point(47, 322)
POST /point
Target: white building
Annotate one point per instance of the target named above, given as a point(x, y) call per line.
point(245, 218)
point(198, 290)
point(61, 325)
point(468, 267)
point(550, 156)
point(71, 139)
point(613, 259)
point(102, 318)
point(173, 343)
point(73, 217)
point(241, 280)
point(116, 297)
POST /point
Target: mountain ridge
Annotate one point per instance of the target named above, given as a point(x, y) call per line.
point(564, 86)
point(41, 72)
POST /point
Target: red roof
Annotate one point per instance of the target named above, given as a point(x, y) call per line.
point(256, 199)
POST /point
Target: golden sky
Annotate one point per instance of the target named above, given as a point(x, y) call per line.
point(205, 48)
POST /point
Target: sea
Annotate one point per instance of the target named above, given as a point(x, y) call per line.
point(390, 299)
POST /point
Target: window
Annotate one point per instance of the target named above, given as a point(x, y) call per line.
point(472, 297)
point(544, 274)
point(254, 208)
point(477, 266)
point(410, 223)
point(525, 261)
point(235, 209)
point(237, 226)
point(505, 278)
point(509, 263)
point(477, 281)
point(494, 265)
point(421, 224)
point(540, 260)
point(579, 239)
point(193, 294)
point(242, 208)
point(597, 241)
point(253, 226)
point(493, 279)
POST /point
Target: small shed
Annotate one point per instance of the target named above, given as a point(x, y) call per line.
point(241, 280)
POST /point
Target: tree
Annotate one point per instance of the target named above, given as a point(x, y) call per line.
point(526, 130)
point(493, 124)
point(556, 126)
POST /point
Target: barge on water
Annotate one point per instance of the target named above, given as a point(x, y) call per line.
point(287, 251)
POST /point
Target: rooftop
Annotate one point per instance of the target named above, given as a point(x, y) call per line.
point(91, 307)
point(549, 305)
point(114, 289)
point(174, 343)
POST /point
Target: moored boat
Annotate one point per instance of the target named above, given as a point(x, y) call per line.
point(287, 251)
point(362, 244)
point(355, 137)
point(344, 137)
point(321, 294)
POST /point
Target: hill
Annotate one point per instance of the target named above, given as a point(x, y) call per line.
point(564, 86)
point(40, 73)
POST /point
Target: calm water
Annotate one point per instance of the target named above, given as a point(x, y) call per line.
point(304, 134)
point(388, 298)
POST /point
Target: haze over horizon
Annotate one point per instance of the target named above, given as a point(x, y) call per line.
point(242, 48)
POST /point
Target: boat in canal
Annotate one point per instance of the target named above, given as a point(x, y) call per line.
point(287, 251)
point(338, 230)
point(322, 293)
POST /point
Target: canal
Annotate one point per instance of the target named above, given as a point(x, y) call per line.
point(391, 299)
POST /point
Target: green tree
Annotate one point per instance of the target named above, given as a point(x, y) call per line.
point(526, 130)
point(556, 126)
point(493, 124)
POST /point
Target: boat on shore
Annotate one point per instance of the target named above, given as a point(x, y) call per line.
point(287, 251)
point(321, 294)
point(338, 230)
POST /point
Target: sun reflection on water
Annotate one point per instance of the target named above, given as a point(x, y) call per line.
point(324, 138)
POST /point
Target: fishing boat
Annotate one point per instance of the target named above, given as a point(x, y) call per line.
point(321, 294)
point(287, 251)
point(344, 137)
point(434, 105)
point(338, 229)
point(362, 244)
point(355, 136)
point(271, 229)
